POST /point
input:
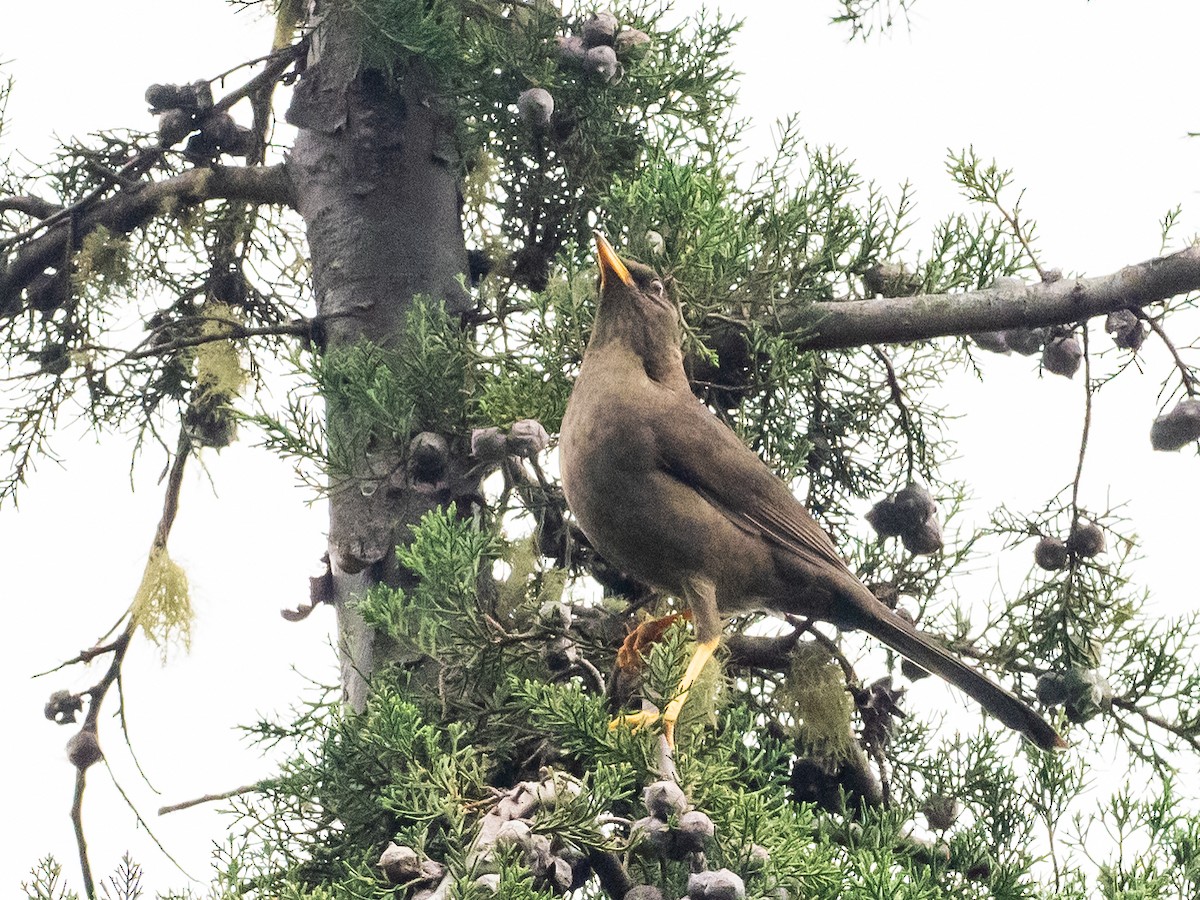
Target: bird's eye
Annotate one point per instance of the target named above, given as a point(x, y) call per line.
point(657, 287)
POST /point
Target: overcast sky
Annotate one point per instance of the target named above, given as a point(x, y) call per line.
point(1090, 103)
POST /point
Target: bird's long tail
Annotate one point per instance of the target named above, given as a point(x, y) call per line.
point(881, 623)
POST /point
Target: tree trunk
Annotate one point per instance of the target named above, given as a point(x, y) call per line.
point(376, 180)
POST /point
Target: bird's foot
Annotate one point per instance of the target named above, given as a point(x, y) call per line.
point(633, 721)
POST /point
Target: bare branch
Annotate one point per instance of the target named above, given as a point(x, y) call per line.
point(856, 323)
point(129, 209)
point(1185, 373)
point(903, 418)
point(119, 647)
point(1183, 733)
point(89, 883)
point(31, 206)
point(209, 798)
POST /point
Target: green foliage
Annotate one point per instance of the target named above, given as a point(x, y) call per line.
point(494, 682)
point(377, 398)
point(46, 882)
point(392, 32)
point(446, 555)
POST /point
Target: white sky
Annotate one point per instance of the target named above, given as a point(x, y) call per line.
point(1090, 103)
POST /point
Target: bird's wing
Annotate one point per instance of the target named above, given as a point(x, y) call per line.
point(696, 448)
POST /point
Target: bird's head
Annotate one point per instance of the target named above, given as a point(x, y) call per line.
point(635, 308)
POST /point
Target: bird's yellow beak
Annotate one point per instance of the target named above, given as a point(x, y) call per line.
point(610, 263)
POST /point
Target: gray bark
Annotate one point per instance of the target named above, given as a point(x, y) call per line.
point(895, 320)
point(376, 182)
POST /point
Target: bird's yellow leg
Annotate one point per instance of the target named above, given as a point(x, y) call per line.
point(634, 721)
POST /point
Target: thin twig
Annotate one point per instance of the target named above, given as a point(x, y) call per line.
point(1087, 427)
point(1190, 382)
point(119, 647)
point(209, 798)
point(1024, 239)
point(593, 674)
point(89, 885)
point(233, 332)
point(146, 825)
point(1129, 706)
point(903, 417)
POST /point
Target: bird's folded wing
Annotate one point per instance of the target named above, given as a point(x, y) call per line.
point(700, 451)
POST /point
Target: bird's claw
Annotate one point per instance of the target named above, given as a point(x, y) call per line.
point(633, 721)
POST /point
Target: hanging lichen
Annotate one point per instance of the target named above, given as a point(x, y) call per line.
point(220, 377)
point(815, 694)
point(102, 258)
point(219, 370)
point(162, 606)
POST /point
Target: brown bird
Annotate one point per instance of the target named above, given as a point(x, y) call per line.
point(667, 492)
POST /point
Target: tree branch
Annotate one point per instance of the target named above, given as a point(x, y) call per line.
point(130, 209)
point(30, 206)
point(119, 647)
point(210, 798)
point(856, 323)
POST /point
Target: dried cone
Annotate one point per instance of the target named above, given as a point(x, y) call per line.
point(602, 62)
point(695, 830)
point(1126, 328)
point(1178, 428)
point(174, 125)
point(1051, 690)
point(536, 106)
point(1086, 540)
point(885, 519)
point(1026, 341)
point(54, 359)
point(1062, 356)
point(560, 654)
point(719, 885)
point(600, 30)
point(489, 445)
point(194, 97)
point(631, 39)
point(941, 811)
point(400, 865)
point(924, 539)
point(758, 858)
point(428, 457)
point(559, 875)
point(570, 50)
point(914, 504)
point(992, 342)
point(890, 280)
point(1088, 693)
point(651, 836)
point(527, 438)
point(921, 532)
point(1050, 554)
point(62, 707)
point(83, 750)
point(664, 799)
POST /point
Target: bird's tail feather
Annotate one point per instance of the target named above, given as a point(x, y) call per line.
point(1010, 709)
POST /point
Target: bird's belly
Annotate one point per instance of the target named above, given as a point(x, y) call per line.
point(661, 531)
